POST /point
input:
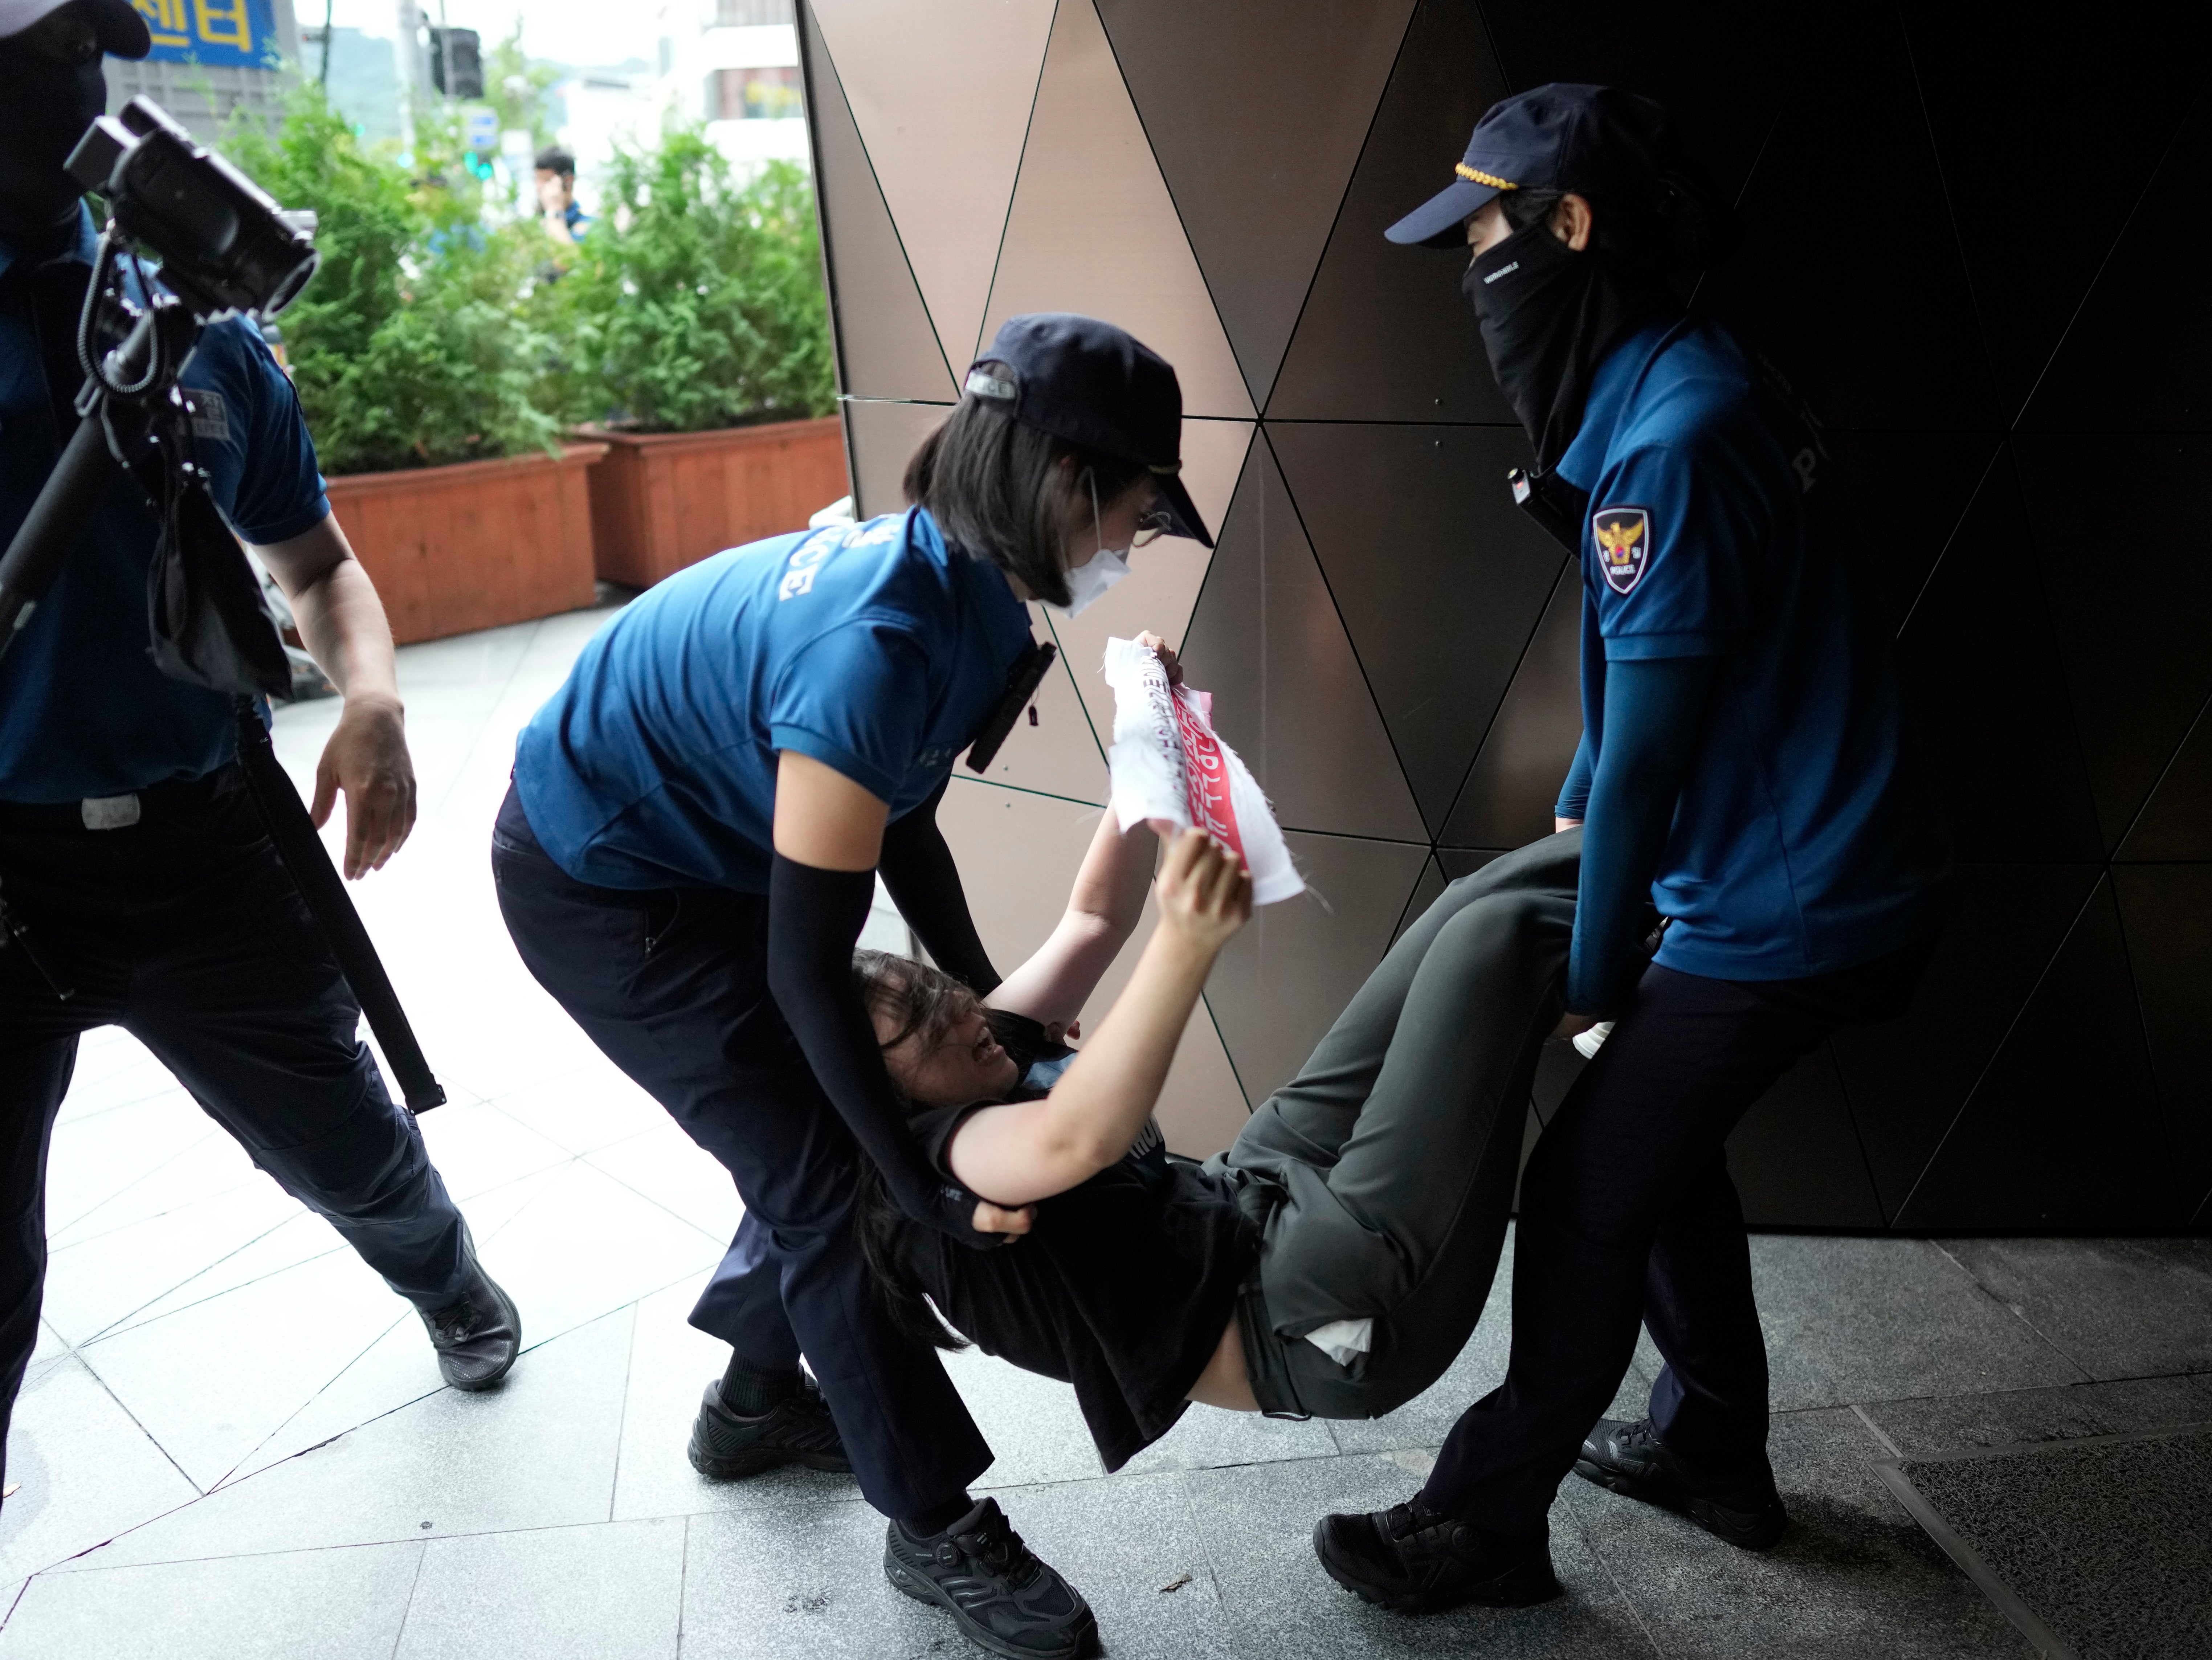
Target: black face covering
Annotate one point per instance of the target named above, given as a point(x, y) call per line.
point(49, 105)
point(1548, 316)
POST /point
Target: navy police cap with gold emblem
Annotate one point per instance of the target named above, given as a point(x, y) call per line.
point(1598, 141)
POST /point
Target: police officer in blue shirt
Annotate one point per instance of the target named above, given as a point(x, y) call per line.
point(1744, 766)
point(128, 846)
point(688, 854)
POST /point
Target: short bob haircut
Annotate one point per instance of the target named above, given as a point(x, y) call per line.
point(997, 490)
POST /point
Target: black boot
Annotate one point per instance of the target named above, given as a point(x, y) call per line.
point(797, 1430)
point(477, 1334)
point(1002, 1596)
point(1412, 1560)
point(1740, 1506)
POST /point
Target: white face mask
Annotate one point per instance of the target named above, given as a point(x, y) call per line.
point(1100, 572)
point(1086, 582)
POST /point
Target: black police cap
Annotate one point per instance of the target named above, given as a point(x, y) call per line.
point(1097, 387)
point(1598, 142)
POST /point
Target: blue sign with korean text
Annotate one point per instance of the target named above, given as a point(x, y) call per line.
point(237, 33)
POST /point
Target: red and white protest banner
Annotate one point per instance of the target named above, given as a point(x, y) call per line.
point(1167, 761)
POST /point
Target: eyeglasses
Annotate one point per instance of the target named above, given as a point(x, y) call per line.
point(1156, 522)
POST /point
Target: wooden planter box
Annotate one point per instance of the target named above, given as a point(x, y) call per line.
point(453, 549)
point(663, 501)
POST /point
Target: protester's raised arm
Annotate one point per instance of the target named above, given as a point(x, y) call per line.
point(1103, 911)
point(1025, 1151)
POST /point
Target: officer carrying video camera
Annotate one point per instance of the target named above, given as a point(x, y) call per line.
point(139, 885)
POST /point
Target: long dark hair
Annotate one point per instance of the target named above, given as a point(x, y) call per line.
point(997, 488)
point(924, 1001)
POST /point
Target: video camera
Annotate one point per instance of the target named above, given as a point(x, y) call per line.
point(224, 244)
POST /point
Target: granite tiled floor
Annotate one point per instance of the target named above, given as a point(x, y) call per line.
point(233, 1443)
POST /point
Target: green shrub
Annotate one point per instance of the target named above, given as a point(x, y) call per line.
point(413, 345)
point(695, 303)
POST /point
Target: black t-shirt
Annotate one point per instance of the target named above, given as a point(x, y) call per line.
point(1122, 1288)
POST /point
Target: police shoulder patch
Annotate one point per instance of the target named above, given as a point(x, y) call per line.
point(1624, 544)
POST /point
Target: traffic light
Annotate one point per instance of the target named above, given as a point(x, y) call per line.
point(457, 63)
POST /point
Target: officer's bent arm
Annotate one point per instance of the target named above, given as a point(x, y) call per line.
point(341, 621)
point(342, 625)
point(1655, 713)
point(924, 885)
point(828, 832)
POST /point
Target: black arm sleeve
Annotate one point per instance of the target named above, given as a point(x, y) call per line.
point(813, 918)
point(925, 884)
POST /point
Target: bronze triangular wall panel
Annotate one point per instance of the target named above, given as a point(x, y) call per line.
point(884, 437)
point(2166, 911)
point(1513, 783)
point(1165, 579)
point(1989, 687)
point(2063, 1131)
point(1723, 70)
point(941, 94)
point(1795, 1155)
point(1864, 348)
point(1257, 158)
point(1384, 335)
point(1990, 95)
point(2137, 664)
point(1266, 641)
point(1909, 492)
point(2177, 820)
point(1906, 1078)
point(1087, 165)
point(1439, 579)
point(1289, 972)
point(886, 347)
point(2138, 356)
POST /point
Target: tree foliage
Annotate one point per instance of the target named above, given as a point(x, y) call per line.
point(441, 328)
point(413, 346)
point(695, 302)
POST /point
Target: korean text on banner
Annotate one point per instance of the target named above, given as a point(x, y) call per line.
point(1167, 762)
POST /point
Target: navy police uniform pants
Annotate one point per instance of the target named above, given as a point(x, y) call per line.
point(1628, 1215)
point(672, 985)
point(185, 930)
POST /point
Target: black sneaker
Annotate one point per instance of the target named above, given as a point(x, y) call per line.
point(1630, 1459)
point(477, 1334)
point(798, 1430)
point(1412, 1560)
point(1003, 1598)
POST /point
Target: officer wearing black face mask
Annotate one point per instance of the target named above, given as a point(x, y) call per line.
point(1744, 767)
point(129, 847)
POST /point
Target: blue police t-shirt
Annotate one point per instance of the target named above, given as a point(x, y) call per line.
point(84, 711)
point(874, 648)
point(1806, 839)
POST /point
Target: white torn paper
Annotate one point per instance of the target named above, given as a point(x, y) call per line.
point(1166, 763)
point(1344, 1340)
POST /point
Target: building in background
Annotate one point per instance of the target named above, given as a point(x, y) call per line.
point(734, 66)
point(363, 81)
point(211, 58)
point(601, 107)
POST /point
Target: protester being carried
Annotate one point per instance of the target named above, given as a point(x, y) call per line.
point(1335, 1261)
